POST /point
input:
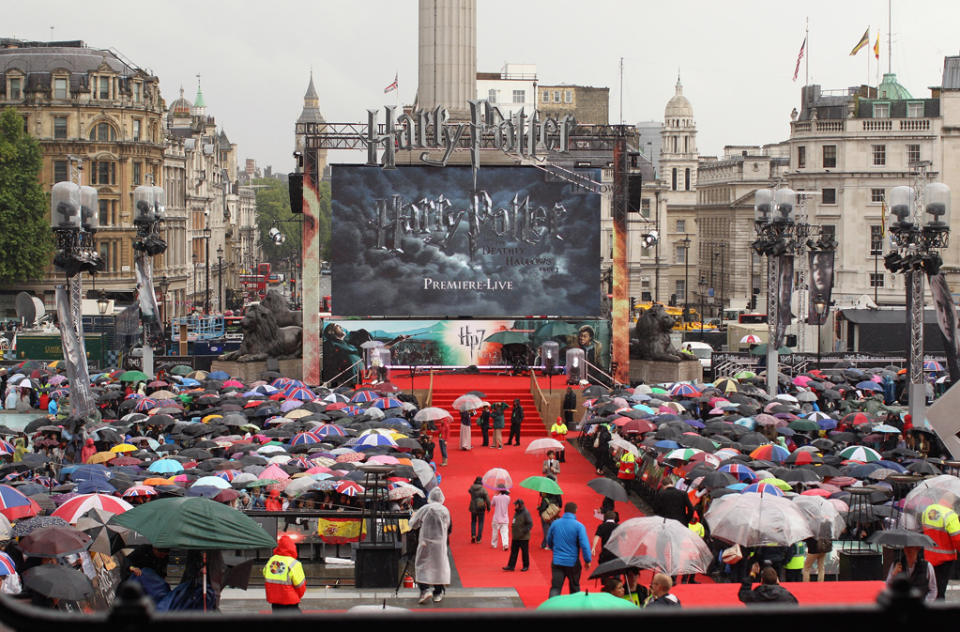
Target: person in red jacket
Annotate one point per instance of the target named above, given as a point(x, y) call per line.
point(283, 576)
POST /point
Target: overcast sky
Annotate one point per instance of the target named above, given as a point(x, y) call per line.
point(736, 58)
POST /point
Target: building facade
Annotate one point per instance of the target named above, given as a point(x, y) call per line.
point(510, 90)
point(98, 119)
point(589, 105)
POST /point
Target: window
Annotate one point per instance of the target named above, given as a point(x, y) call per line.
point(59, 126)
point(136, 129)
point(829, 156)
point(828, 232)
point(104, 91)
point(519, 96)
point(876, 280)
point(546, 96)
point(879, 155)
point(105, 255)
point(915, 110)
point(104, 172)
point(881, 110)
point(680, 254)
point(829, 196)
point(680, 289)
point(645, 207)
point(681, 225)
point(686, 179)
point(556, 96)
point(59, 88)
point(60, 172)
point(801, 157)
point(674, 186)
point(137, 172)
point(877, 196)
point(15, 88)
point(104, 212)
point(137, 92)
point(103, 132)
point(913, 154)
point(492, 95)
point(876, 241)
point(568, 96)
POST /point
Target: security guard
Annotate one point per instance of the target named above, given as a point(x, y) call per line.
point(627, 470)
point(943, 526)
point(283, 576)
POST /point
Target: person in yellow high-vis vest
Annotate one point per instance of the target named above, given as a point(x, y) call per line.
point(283, 576)
point(943, 526)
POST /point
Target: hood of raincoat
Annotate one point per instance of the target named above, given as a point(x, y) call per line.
point(436, 496)
point(286, 546)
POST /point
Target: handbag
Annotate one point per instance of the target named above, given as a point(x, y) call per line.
point(731, 555)
point(550, 512)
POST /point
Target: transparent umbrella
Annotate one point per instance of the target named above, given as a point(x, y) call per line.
point(663, 544)
point(497, 478)
point(943, 490)
point(822, 516)
point(467, 402)
point(754, 519)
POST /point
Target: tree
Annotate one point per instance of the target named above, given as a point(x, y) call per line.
point(26, 240)
point(273, 210)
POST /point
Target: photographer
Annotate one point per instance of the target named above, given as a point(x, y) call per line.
point(769, 590)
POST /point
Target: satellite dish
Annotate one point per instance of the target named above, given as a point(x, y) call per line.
point(41, 310)
point(26, 308)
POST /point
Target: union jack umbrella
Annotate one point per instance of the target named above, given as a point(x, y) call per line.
point(329, 430)
point(304, 438)
point(7, 566)
point(138, 491)
point(349, 488)
point(387, 402)
point(15, 505)
point(362, 397)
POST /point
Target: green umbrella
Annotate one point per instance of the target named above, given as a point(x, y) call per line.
point(745, 375)
point(194, 523)
point(263, 482)
point(804, 425)
point(555, 328)
point(181, 369)
point(134, 376)
point(542, 484)
point(509, 337)
point(587, 601)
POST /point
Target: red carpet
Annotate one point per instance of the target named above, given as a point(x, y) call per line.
point(480, 566)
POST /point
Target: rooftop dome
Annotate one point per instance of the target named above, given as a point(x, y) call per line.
point(180, 107)
point(891, 89)
point(678, 106)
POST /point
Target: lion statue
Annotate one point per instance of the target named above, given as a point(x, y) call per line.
point(652, 336)
point(286, 317)
point(263, 338)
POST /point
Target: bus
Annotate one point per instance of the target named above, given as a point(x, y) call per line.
point(691, 322)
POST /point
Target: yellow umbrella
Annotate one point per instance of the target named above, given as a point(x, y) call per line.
point(209, 418)
point(101, 457)
point(297, 413)
point(123, 447)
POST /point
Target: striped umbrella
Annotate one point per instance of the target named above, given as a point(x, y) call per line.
point(7, 566)
point(329, 430)
point(305, 438)
point(770, 452)
point(860, 453)
point(762, 487)
point(374, 439)
point(79, 505)
point(750, 339)
point(15, 505)
point(741, 471)
point(683, 454)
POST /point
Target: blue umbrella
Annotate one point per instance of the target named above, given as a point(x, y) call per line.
point(696, 423)
point(869, 385)
point(667, 444)
point(218, 375)
point(94, 485)
point(189, 381)
point(165, 466)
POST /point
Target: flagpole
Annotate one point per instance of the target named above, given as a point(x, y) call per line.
point(889, 39)
point(868, 62)
point(806, 63)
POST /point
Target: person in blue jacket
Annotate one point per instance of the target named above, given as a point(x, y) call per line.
point(568, 540)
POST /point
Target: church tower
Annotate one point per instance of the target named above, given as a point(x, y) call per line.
point(311, 114)
point(678, 149)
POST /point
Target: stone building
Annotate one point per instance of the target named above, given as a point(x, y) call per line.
point(511, 89)
point(91, 109)
point(590, 106)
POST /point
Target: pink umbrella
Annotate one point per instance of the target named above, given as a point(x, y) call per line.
point(79, 505)
point(385, 459)
point(231, 383)
point(801, 380)
point(273, 471)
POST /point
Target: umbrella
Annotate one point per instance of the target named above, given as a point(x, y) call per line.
point(821, 515)
point(14, 505)
point(496, 478)
point(543, 445)
point(467, 402)
point(609, 488)
point(860, 453)
point(541, 484)
point(79, 505)
point(750, 339)
point(587, 601)
point(134, 376)
point(901, 538)
point(431, 414)
point(194, 523)
point(756, 520)
point(509, 337)
point(54, 542)
point(106, 538)
point(663, 544)
point(58, 582)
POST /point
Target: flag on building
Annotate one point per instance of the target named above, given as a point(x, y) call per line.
point(393, 86)
point(863, 42)
point(803, 48)
point(876, 47)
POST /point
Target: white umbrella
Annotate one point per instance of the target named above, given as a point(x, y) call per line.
point(664, 544)
point(467, 402)
point(754, 519)
point(431, 414)
point(618, 442)
point(943, 489)
point(544, 445)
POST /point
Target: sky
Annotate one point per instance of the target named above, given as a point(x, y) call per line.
point(735, 59)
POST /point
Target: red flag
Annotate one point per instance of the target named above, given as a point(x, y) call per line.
point(803, 48)
point(393, 86)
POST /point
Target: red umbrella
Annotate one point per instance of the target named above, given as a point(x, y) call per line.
point(79, 505)
point(15, 505)
point(638, 426)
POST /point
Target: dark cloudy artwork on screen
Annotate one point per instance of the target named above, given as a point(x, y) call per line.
point(418, 241)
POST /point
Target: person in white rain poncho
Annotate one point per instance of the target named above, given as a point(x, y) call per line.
point(432, 566)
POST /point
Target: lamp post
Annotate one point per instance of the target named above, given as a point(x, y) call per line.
point(913, 252)
point(702, 286)
point(195, 274)
point(206, 265)
point(164, 284)
point(103, 303)
point(686, 270)
point(220, 278)
point(820, 305)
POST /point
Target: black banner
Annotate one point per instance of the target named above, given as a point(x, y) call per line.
point(821, 285)
point(947, 319)
point(74, 357)
point(784, 313)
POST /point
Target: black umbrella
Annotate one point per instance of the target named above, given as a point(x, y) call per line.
point(900, 538)
point(714, 480)
point(609, 488)
point(32, 427)
point(58, 582)
point(26, 527)
point(923, 467)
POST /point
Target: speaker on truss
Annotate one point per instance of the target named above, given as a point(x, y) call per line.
point(634, 193)
point(295, 186)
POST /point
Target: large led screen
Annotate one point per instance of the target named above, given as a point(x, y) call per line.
point(423, 242)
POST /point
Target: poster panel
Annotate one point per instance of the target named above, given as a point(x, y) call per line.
point(424, 242)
